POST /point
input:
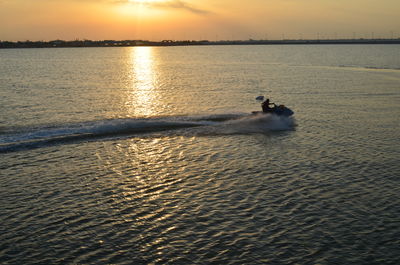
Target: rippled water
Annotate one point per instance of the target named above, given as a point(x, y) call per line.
point(150, 156)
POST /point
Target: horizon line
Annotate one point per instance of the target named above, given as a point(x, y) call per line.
point(128, 43)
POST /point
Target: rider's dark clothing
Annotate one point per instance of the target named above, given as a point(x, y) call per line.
point(265, 106)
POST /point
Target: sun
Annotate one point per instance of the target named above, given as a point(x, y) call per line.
point(144, 1)
point(140, 9)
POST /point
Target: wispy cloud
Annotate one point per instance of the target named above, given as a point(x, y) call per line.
point(178, 4)
point(172, 4)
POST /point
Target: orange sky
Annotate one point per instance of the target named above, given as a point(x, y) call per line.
point(197, 19)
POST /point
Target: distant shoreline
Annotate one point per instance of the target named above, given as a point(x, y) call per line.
point(166, 43)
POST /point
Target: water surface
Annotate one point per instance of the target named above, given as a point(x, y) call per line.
point(149, 155)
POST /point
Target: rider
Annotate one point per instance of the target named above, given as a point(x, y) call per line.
point(265, 106)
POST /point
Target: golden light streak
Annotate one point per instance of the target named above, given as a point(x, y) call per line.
point(143, 100)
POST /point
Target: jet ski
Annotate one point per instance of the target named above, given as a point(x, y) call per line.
point(279, 110)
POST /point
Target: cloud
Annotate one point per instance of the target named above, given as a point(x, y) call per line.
point(172, 4)
point(178, 4)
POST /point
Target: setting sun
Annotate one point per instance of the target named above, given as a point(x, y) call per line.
point(145, 1)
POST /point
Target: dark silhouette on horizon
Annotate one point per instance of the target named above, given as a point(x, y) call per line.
point(129, 43)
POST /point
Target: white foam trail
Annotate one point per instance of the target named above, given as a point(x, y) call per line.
point(219, 124)
point(249, 124)
point(34, 137)
point(262, 123)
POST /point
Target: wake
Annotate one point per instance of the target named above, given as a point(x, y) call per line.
point(28, 138)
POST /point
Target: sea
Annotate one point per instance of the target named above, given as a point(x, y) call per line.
point(150, 155)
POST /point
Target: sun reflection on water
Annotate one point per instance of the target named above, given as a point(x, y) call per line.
point(143, 83)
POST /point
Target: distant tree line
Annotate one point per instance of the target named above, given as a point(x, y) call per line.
point(92, 43)
point(128, 43)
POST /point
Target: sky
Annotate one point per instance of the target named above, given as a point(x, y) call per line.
point(197, 19)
